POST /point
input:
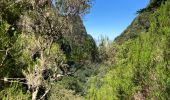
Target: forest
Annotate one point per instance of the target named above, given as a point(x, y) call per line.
point(47, 54)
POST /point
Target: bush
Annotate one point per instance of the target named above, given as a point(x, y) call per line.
point(14, 92)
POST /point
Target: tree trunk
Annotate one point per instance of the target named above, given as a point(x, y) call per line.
point(34, 94)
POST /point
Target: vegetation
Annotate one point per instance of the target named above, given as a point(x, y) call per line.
point(34, 53)
point(46, 53)
point(141, 65)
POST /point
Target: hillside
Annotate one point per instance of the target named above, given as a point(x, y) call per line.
point(138, 60)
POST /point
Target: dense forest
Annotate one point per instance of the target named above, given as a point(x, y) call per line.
point(46, 53)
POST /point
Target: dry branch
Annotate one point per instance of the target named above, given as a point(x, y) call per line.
point(3, 59)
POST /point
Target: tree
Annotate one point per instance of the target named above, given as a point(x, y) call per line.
point(30, 30)
point(73, 7)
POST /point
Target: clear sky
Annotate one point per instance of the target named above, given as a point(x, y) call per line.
point(111, 17)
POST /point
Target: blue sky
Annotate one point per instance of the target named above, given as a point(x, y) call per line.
point(111, 17)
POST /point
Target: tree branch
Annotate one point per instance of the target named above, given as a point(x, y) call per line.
point(13, 80)
point(3, 59)
point(45, 94)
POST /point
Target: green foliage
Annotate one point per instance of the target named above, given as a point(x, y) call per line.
point(13, 93)
point(59, 92)
point(116, 83)
point(106, 48)
point(9, 15)
point(6, 46)
point(103, 48)
point(141, 67)
point(83, 49)
point(29, 35)
point(152, 5)
point(73, 7)
point(78, 82)
point(4, 40)
point(72, 83)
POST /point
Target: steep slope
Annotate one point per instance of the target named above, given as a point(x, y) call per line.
point(81, 43)
point(139, 68)
point(141, 23)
